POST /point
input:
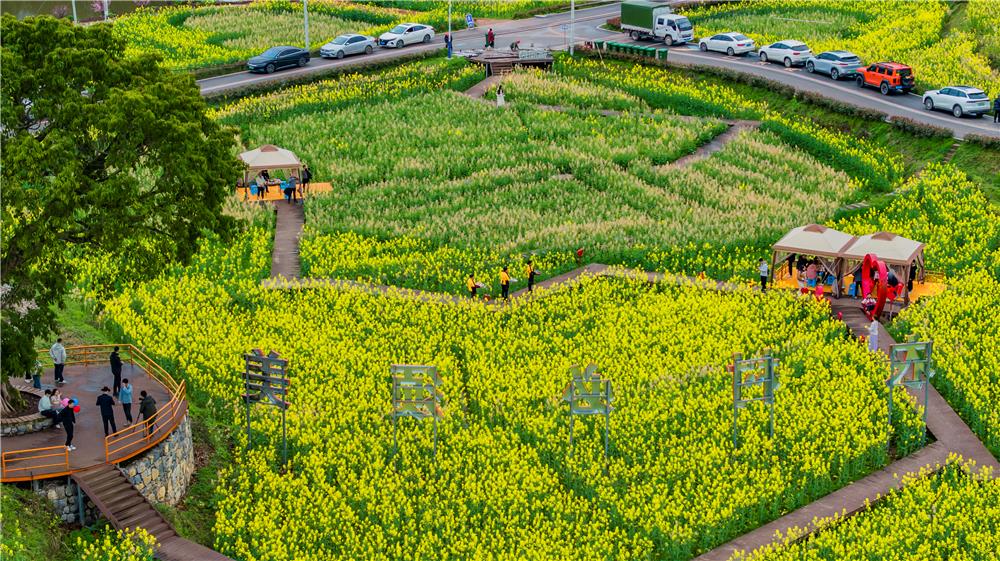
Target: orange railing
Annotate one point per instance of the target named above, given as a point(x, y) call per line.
point(21, 465)
point(27, 463)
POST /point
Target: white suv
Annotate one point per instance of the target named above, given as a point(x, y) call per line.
point(960, 100)
point(787, 52)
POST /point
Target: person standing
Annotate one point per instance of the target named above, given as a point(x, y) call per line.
point(996, 110)
point(116, 371)
point(68, 418)
point(505, 283)
point(490, 38)
point(107, 405)
point(58, 354)
point(791, 264)
point(530, 272)
point(762, 267)
point(501, 101)
point(45, 408)
point(873, 336)
point(307, 176)
point(147, 410)
point(447, 43)
point(471, 285)
point(125, 398)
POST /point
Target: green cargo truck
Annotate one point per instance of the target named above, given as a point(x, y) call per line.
point(643, 19)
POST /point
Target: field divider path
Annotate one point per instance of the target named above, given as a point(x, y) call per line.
point(287, 231)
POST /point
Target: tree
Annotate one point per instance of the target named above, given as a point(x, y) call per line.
point(100, 151)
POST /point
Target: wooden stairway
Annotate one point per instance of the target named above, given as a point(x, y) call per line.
point(123, 505)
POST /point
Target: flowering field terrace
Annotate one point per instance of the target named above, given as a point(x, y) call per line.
point(502, 485)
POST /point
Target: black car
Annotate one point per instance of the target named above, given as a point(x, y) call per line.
point(276, 58)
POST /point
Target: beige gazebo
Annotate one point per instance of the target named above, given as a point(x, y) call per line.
point(269, 157)
point(899, 254)
point(826, 244)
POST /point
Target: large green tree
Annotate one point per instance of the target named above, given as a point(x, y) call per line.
point(102, 153)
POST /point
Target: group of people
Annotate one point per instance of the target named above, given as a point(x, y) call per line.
point(294, 189)
point(505, 279)
point(63, 410)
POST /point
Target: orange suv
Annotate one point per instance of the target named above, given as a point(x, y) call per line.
point(888, 77)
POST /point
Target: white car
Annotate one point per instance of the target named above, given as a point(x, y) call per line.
point(348, 45)
point(788, 52)
point(406, 34)
point(729, 43)
point(960, 100)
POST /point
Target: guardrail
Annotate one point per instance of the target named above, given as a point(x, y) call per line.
point(37, 463)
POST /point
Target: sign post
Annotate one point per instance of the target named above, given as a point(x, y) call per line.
point(747, 374)
point(910, 366)
point(415, 393)
point(265, 382)
point(588, 393)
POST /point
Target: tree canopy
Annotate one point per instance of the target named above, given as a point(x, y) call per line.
point(103, 154)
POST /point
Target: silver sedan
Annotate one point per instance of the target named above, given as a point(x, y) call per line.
point(348, 45)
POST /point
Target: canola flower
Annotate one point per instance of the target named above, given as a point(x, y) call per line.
point(134, 544)
point(869, 163)
point(502, 485)
point(948, 514)
point(964, 323)
point(908, 31)
point(948, 212)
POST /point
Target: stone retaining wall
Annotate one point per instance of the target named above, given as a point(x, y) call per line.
point(162, 475)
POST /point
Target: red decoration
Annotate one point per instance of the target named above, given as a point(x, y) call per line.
point(868, 284)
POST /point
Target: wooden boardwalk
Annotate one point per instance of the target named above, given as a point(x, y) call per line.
point(85, 382)
point(287, 231)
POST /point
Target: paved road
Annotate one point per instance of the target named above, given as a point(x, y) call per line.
point(552, 31)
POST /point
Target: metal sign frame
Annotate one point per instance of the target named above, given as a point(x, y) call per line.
point(588, 393)
point(910, 366)
point(416, 394)
point(744, 376)
point(266, 382)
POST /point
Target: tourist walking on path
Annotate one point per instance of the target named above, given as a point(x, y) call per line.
point(58, 354)
point(147, 409)
point(472, 285)
point(505, 283)
point(490, 38)
point(763, 275)
point(107, 405)
point(125, 397)
point(116, 371)
point(68, 418)
point(530, 272)
point(45, 408)
point(996, 110)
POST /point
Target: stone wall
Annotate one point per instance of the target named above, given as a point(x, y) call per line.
point(32, 422)
point(162, 475)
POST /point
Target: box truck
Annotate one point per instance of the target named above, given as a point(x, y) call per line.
point(643, 19)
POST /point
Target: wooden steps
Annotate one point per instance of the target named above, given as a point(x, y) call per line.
point(122, 504)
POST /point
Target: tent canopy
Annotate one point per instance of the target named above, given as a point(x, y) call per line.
point(893, 249)
point(270, 156)
point(815, 239)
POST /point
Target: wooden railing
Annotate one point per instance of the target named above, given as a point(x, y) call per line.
point(28, 464)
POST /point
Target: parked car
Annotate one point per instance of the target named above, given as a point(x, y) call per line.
point(888, 77)
point(960, 100)
point(729, 43)
point(789, 52)
point(406, 34)
point(345, 45)
point(276, 58)
point(835, 63)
